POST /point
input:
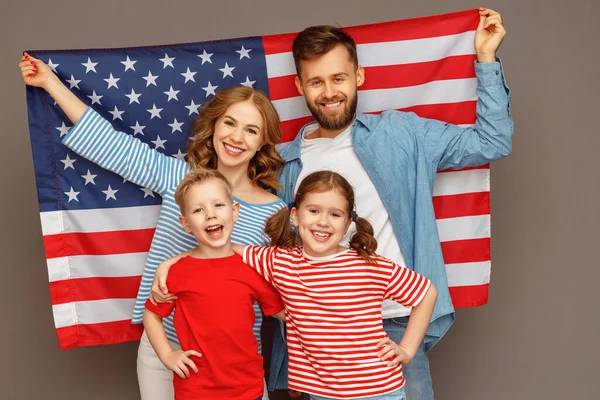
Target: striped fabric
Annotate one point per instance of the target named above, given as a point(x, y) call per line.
point(333, 317)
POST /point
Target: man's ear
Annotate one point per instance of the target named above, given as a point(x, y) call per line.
point(236, 210)
point(360, 76)
point(294, 214)
point(299, 85)
point(184, 223)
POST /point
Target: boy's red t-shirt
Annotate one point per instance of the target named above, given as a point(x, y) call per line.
point(214, 316)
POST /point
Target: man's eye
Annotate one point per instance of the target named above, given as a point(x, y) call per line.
point(315, 83)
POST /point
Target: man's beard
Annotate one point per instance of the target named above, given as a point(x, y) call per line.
point(335, 123)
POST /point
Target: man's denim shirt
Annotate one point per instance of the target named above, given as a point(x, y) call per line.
point(402, 154)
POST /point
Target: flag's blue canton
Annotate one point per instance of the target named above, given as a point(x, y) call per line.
point(127, 87)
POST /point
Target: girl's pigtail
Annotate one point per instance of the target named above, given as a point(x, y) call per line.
point(363, 241)
point(279, 229)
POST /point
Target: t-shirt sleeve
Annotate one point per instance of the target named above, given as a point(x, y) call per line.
point(260, 258)
point(267, 296)
point(406, 286)
point(162, 309)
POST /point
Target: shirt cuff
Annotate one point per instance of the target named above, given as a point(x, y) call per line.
point(74, 131)
point(490, 74)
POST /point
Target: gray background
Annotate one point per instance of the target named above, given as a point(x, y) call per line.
point(537, 337)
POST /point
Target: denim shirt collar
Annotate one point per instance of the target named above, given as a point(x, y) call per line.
point(292, 150)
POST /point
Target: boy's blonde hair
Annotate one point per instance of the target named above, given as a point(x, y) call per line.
point(196, 176)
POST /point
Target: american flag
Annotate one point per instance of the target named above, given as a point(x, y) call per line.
point(97, 227)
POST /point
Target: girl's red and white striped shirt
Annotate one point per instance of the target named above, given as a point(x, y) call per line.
point(333, 313)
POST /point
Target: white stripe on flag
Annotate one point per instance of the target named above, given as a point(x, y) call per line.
point(473, 227)
point(106, 266)
point(458, 182)
point(468, 274)
point(447, 91)
point(99, 220)
point(92, 312)
point(389, 53)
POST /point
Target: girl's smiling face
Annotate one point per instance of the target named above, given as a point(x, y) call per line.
point(322, 219)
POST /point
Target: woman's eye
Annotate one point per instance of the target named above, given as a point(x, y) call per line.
point(229, 123)
point(252, 131)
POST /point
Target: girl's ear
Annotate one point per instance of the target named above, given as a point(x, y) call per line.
point(294, 214)
point(184, 223)
point(348, 225)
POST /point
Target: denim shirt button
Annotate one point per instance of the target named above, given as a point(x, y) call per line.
point(497, 72)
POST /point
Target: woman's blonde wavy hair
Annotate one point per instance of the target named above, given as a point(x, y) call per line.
point(266, 163)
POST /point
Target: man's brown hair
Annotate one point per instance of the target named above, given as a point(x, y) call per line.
point(315, 41)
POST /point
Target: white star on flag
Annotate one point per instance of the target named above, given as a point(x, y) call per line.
point(167, 61)
point(52, 66)
point(137, 128)
point(72, 195)
point(110, 193)
point(95, 98)
point(227, 71)
point(68, 162)
point(150, 79)
point(154, 112)
point(112, 81)
point(243, 52)
point(63, 129)
point(128, 64)
point(179, 155)
point(176, 126)
point(172, 94)
point(147, 192)
point(248, 83)
point(158, 143)
point(189, 75)
point(133, 97)
point(89, 178)
point(193, 108)
point(210, 89)
point(116, 114)
point(205, 57)
point(89, 66)
point(73, 83)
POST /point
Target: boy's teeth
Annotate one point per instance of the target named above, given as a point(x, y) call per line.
point(233, 149)
point(212, 228)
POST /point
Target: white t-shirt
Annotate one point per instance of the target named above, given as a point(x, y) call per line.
point(338, 155)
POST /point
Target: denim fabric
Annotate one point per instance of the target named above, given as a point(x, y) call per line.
point(402, 154)
point(395, 395)
point(417, 376)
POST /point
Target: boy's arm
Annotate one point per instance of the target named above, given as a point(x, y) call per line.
point(159, 293)
point(177, 361)
point(418, 323)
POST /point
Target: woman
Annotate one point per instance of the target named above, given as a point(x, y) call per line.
point(235, 133)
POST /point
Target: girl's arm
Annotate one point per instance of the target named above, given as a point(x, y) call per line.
point(159, 293)
point(176, 361)
point(280, 315)
point(418, 323)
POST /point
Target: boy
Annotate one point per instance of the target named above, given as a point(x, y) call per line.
point(215, 293)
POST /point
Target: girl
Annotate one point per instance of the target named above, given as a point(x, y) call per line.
point(235, 133)
point(333, 295)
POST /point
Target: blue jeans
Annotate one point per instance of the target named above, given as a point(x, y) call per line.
point(395, 395)
point(418, 384)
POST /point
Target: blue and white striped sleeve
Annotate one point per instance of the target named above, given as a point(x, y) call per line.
point(94, 138)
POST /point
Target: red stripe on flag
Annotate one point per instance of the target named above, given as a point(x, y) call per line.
point(404, 75)
point(454, 113)
point(484, 166)
point(469, 296)
point(98, 243)
point(461, 205)
point(87, 289)
point(290, 128)
point(391, 76)
point(466, 251)
point(96, 334)
point(408, 29)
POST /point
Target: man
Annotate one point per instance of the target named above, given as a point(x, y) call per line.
point(391, 160)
